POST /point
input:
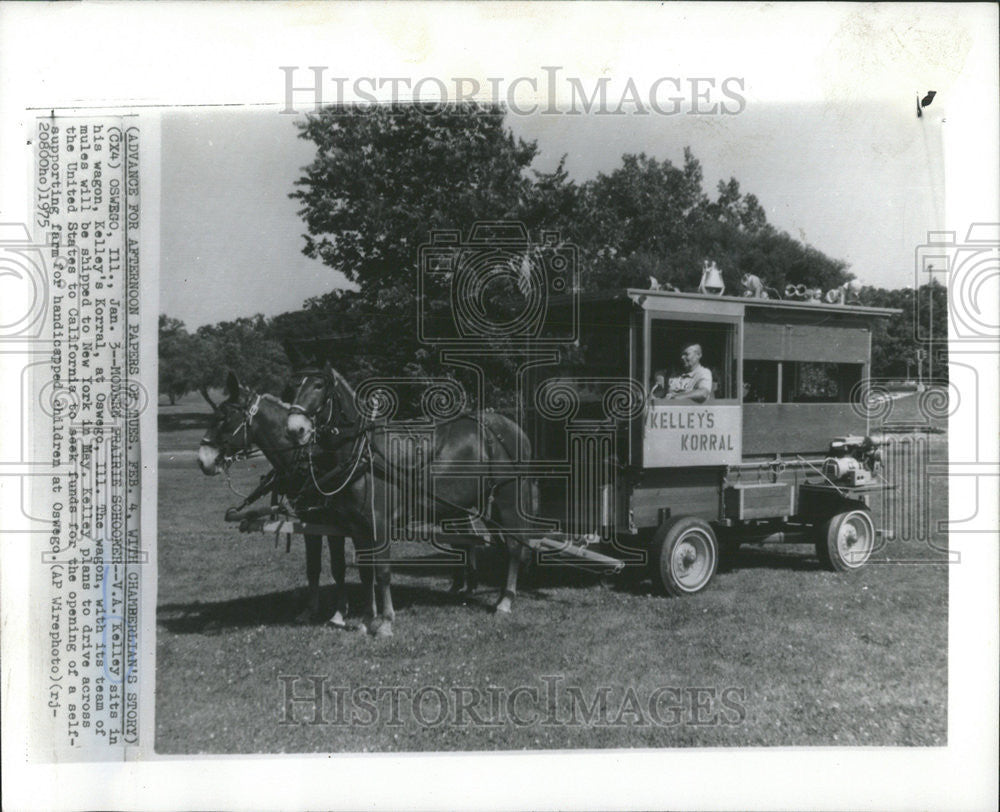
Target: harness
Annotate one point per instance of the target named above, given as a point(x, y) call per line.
point(364, 455)
point(275, 481)
point(364, 449)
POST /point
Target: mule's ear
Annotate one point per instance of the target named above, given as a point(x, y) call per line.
point(232, 386)
point(328, 368)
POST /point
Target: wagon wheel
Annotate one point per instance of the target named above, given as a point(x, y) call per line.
point(845, 541)
point(685, 555)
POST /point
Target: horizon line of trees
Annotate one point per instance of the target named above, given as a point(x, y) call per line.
point(264, 351)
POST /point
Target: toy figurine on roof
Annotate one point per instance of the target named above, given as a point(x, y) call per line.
point(848, 293)
point(654, 284)
point(711, 279)
point(754, 288)
point(803, 293)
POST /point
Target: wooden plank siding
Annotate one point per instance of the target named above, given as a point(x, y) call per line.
point(766, 341)
point(796, 428)
point(684, 491)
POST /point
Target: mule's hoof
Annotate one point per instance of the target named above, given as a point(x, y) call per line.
point(502, 608)
point(337, 621)
point(384, 629)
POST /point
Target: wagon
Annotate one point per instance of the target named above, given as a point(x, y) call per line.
point(778, 452)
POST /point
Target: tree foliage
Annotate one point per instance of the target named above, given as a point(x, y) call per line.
point(651, 218)
point(896, 342)
point(200, 361)
point(176, 367)
point(187, 362)
point(247, 347)
point(382, 181)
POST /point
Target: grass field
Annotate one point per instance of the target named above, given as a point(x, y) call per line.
point(776, 651)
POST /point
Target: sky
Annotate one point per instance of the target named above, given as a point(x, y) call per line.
point(861, 182)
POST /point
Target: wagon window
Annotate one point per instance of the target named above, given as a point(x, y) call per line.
point(670, 338)
point(811, 382)
point(760, 381)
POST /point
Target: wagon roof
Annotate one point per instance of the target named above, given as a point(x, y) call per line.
point(638, 295)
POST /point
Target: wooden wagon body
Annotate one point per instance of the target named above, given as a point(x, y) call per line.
point(788, 378)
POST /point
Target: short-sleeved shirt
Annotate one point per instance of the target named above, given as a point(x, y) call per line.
point(699, 378)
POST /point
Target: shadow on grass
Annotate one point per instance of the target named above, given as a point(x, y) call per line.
point(636, 581)
point(283, 608)
point(752, 558)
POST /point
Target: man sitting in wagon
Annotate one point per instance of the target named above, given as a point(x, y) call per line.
point(694, 385)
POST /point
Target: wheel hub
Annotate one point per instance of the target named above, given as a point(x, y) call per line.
point(686, 555)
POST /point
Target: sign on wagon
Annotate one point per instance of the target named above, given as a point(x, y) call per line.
point(692, 435)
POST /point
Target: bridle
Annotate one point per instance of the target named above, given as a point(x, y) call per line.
point(319, 423)
point(246, 451)
point(325, 423)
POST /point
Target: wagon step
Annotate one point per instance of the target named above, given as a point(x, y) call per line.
point(567, 547)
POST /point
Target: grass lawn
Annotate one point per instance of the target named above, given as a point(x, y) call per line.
point(776, 651)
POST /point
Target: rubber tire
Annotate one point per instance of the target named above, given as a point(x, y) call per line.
point(827, 547)
point(665, 541)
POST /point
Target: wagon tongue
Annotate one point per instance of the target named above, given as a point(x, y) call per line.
point(580, 551)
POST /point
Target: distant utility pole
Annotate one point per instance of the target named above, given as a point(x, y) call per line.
point(930, 335)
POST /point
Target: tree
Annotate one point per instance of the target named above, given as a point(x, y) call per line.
point(247, 347)
point(177, 366)
point(897, 341)
point(187, 362)
point(382, 180)
point(651, 218)
point(384, 177)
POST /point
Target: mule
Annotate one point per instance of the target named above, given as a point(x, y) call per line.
point(246, 420)
point(310, 397)
point(489, 443)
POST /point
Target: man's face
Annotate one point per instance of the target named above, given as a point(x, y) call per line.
point(659, 381)
point(690, 357)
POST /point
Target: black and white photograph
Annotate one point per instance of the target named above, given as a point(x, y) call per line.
point(612, 457)
point(622, 407)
